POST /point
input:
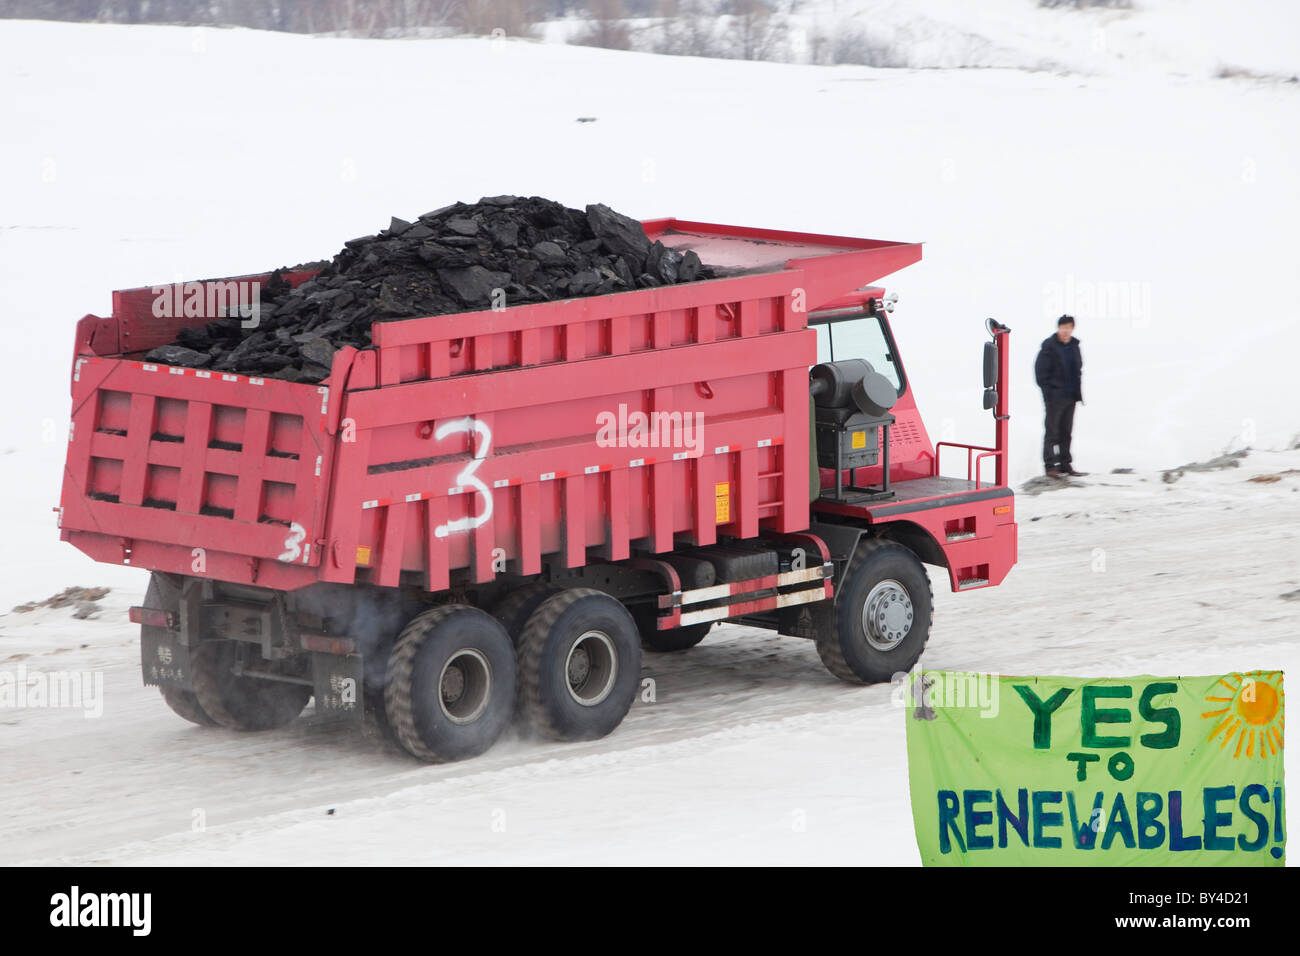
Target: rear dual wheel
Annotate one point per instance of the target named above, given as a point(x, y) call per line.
point(671, 640)
point(450, 687)
point(236, 700)
point(220, 696)
point(579, 665)
point(514, 610)
point(182, 702)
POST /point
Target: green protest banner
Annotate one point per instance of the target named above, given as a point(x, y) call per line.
point(1061, 771)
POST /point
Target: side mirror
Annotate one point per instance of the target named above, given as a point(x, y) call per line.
point(990, 366)
point(990, 398)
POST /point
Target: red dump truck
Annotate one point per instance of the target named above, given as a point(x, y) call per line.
point(485, 516)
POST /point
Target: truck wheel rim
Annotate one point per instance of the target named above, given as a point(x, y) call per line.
point(887, 615)
point(465, 686)
point(590, 668)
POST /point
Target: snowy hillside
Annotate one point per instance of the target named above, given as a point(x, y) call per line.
point(1178, 38)
point(1154, 209)
point(1189, 38)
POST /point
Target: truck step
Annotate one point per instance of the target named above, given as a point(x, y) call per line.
point(972, 583)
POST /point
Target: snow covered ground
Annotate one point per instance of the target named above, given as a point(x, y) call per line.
point(1156, 204)
point(750, 753)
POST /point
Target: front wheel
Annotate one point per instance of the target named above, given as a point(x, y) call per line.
point(881, 617)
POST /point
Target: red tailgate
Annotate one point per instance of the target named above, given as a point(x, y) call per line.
point(184, 457)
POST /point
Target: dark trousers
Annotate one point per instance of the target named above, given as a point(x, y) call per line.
point(1056, 435)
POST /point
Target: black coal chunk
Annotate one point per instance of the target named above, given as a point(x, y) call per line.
point(688, 270)
point(621, 235)
point(317, 351)
point(661, 264)
point(474, 285)
point(178, 355)
point(198, 339)
point(549, 254)
point(454, 259)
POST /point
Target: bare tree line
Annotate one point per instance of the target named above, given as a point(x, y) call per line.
point(731, 29)
point(360, 17)
point(734, 29)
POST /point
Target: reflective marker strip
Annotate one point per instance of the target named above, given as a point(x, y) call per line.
point(749, 607)
point(553, 475)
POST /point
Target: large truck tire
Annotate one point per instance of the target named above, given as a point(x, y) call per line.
point(694, 572)
point(237, 701)
point(450, 689)
point(514, 610)
point(182, 702)
point(579, 665)
point(881, 616)
point(670, 641)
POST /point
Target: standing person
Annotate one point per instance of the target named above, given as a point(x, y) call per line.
point(1059, 371)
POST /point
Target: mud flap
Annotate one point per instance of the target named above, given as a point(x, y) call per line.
point(338, 681)
point(163, 658)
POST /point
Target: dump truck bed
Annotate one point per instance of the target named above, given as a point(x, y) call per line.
point(466, 444)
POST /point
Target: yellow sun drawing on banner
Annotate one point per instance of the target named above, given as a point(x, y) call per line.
point(1252, 713)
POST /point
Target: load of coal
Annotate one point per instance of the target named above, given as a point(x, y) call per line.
point(502, 250)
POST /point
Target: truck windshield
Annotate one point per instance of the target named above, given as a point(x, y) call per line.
point(862, 338)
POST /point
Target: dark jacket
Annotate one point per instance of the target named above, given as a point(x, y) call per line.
point(1059, 370)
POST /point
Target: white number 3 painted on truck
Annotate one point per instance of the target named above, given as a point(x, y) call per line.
point(293, 543)
point(467, 478)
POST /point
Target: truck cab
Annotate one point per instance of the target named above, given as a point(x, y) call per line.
point(965, 523)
